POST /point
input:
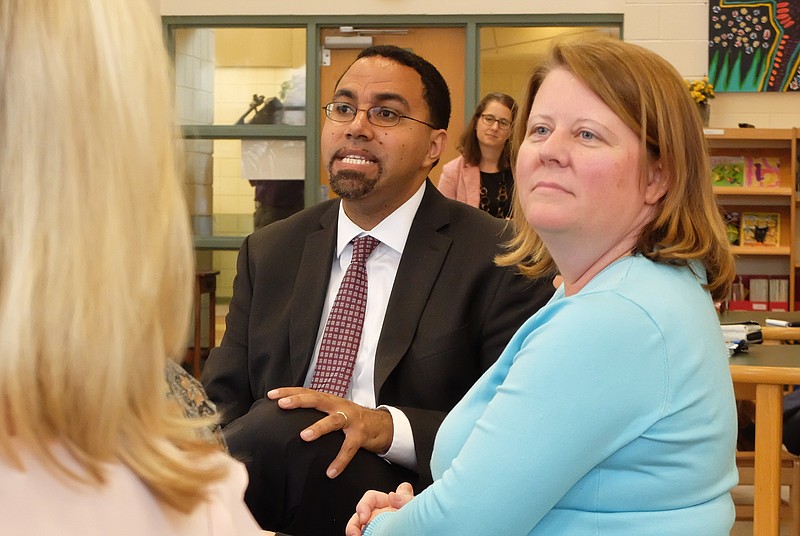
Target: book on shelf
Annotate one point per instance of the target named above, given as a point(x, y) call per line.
point(762, 172)
point(760, 229)
point(759, 292)
point(778, 293)
point(733, 222)
point(727, 171)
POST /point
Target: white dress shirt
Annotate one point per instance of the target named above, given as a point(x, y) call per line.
point(381, 271)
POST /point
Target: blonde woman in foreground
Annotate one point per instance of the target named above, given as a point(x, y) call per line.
point(97, 266)
point(611, 410)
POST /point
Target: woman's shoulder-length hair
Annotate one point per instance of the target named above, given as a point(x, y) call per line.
point(649, 95)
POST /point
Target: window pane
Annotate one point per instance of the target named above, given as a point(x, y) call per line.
point(508, 53)
point(225, 76)
point(276, 169)
point(256, 182)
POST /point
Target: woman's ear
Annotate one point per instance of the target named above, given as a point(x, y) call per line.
point(657, 183)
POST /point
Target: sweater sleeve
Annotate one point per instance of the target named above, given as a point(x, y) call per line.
point(225, 375)
point(566, 394)
point(449, 179)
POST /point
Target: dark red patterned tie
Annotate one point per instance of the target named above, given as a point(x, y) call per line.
point(342, 335)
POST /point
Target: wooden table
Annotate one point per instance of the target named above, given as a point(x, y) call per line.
point(777, 333)
point(767, 368)
point(770, 333)
point(758, 316)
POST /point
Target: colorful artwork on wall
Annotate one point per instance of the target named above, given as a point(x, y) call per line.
point(754, 45)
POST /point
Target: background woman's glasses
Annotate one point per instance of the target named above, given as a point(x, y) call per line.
point(489, 120)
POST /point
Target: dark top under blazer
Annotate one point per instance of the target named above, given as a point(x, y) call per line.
point(450, 313)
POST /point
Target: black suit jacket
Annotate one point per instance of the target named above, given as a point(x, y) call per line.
point(450, 313)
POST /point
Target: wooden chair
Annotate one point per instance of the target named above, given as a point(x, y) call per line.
point(204, 283)
point(790, 476)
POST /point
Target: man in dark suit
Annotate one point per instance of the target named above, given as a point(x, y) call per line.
point(438, 313)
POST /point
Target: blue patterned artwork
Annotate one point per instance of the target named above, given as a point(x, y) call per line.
point(753, 45)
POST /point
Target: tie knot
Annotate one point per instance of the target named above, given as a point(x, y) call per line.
point(363, 247)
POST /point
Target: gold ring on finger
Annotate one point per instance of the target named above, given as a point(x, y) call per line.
point(343, 414)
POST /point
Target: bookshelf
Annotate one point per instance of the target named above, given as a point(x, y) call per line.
point(767, 242)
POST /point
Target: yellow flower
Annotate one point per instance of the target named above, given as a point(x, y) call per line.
point(701, 90)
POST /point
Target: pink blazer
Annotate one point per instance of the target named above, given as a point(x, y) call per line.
point(461, 181)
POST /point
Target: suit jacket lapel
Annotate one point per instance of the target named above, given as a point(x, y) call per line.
point(310, 288)
point(423, 256)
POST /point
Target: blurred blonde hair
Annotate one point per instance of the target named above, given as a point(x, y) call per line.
point(649, 95)
point(95, 247)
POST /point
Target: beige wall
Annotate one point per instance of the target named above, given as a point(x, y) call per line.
point(676, 29)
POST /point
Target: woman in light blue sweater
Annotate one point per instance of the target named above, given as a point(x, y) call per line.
point(611, 411)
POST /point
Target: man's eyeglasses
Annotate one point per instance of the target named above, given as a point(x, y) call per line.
point(489, 120)
point(380, 116)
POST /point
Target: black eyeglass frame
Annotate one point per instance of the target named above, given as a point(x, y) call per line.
point(490, 122)
point(370, 111)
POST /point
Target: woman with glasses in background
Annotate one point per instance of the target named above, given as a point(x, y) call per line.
point(482, 176)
